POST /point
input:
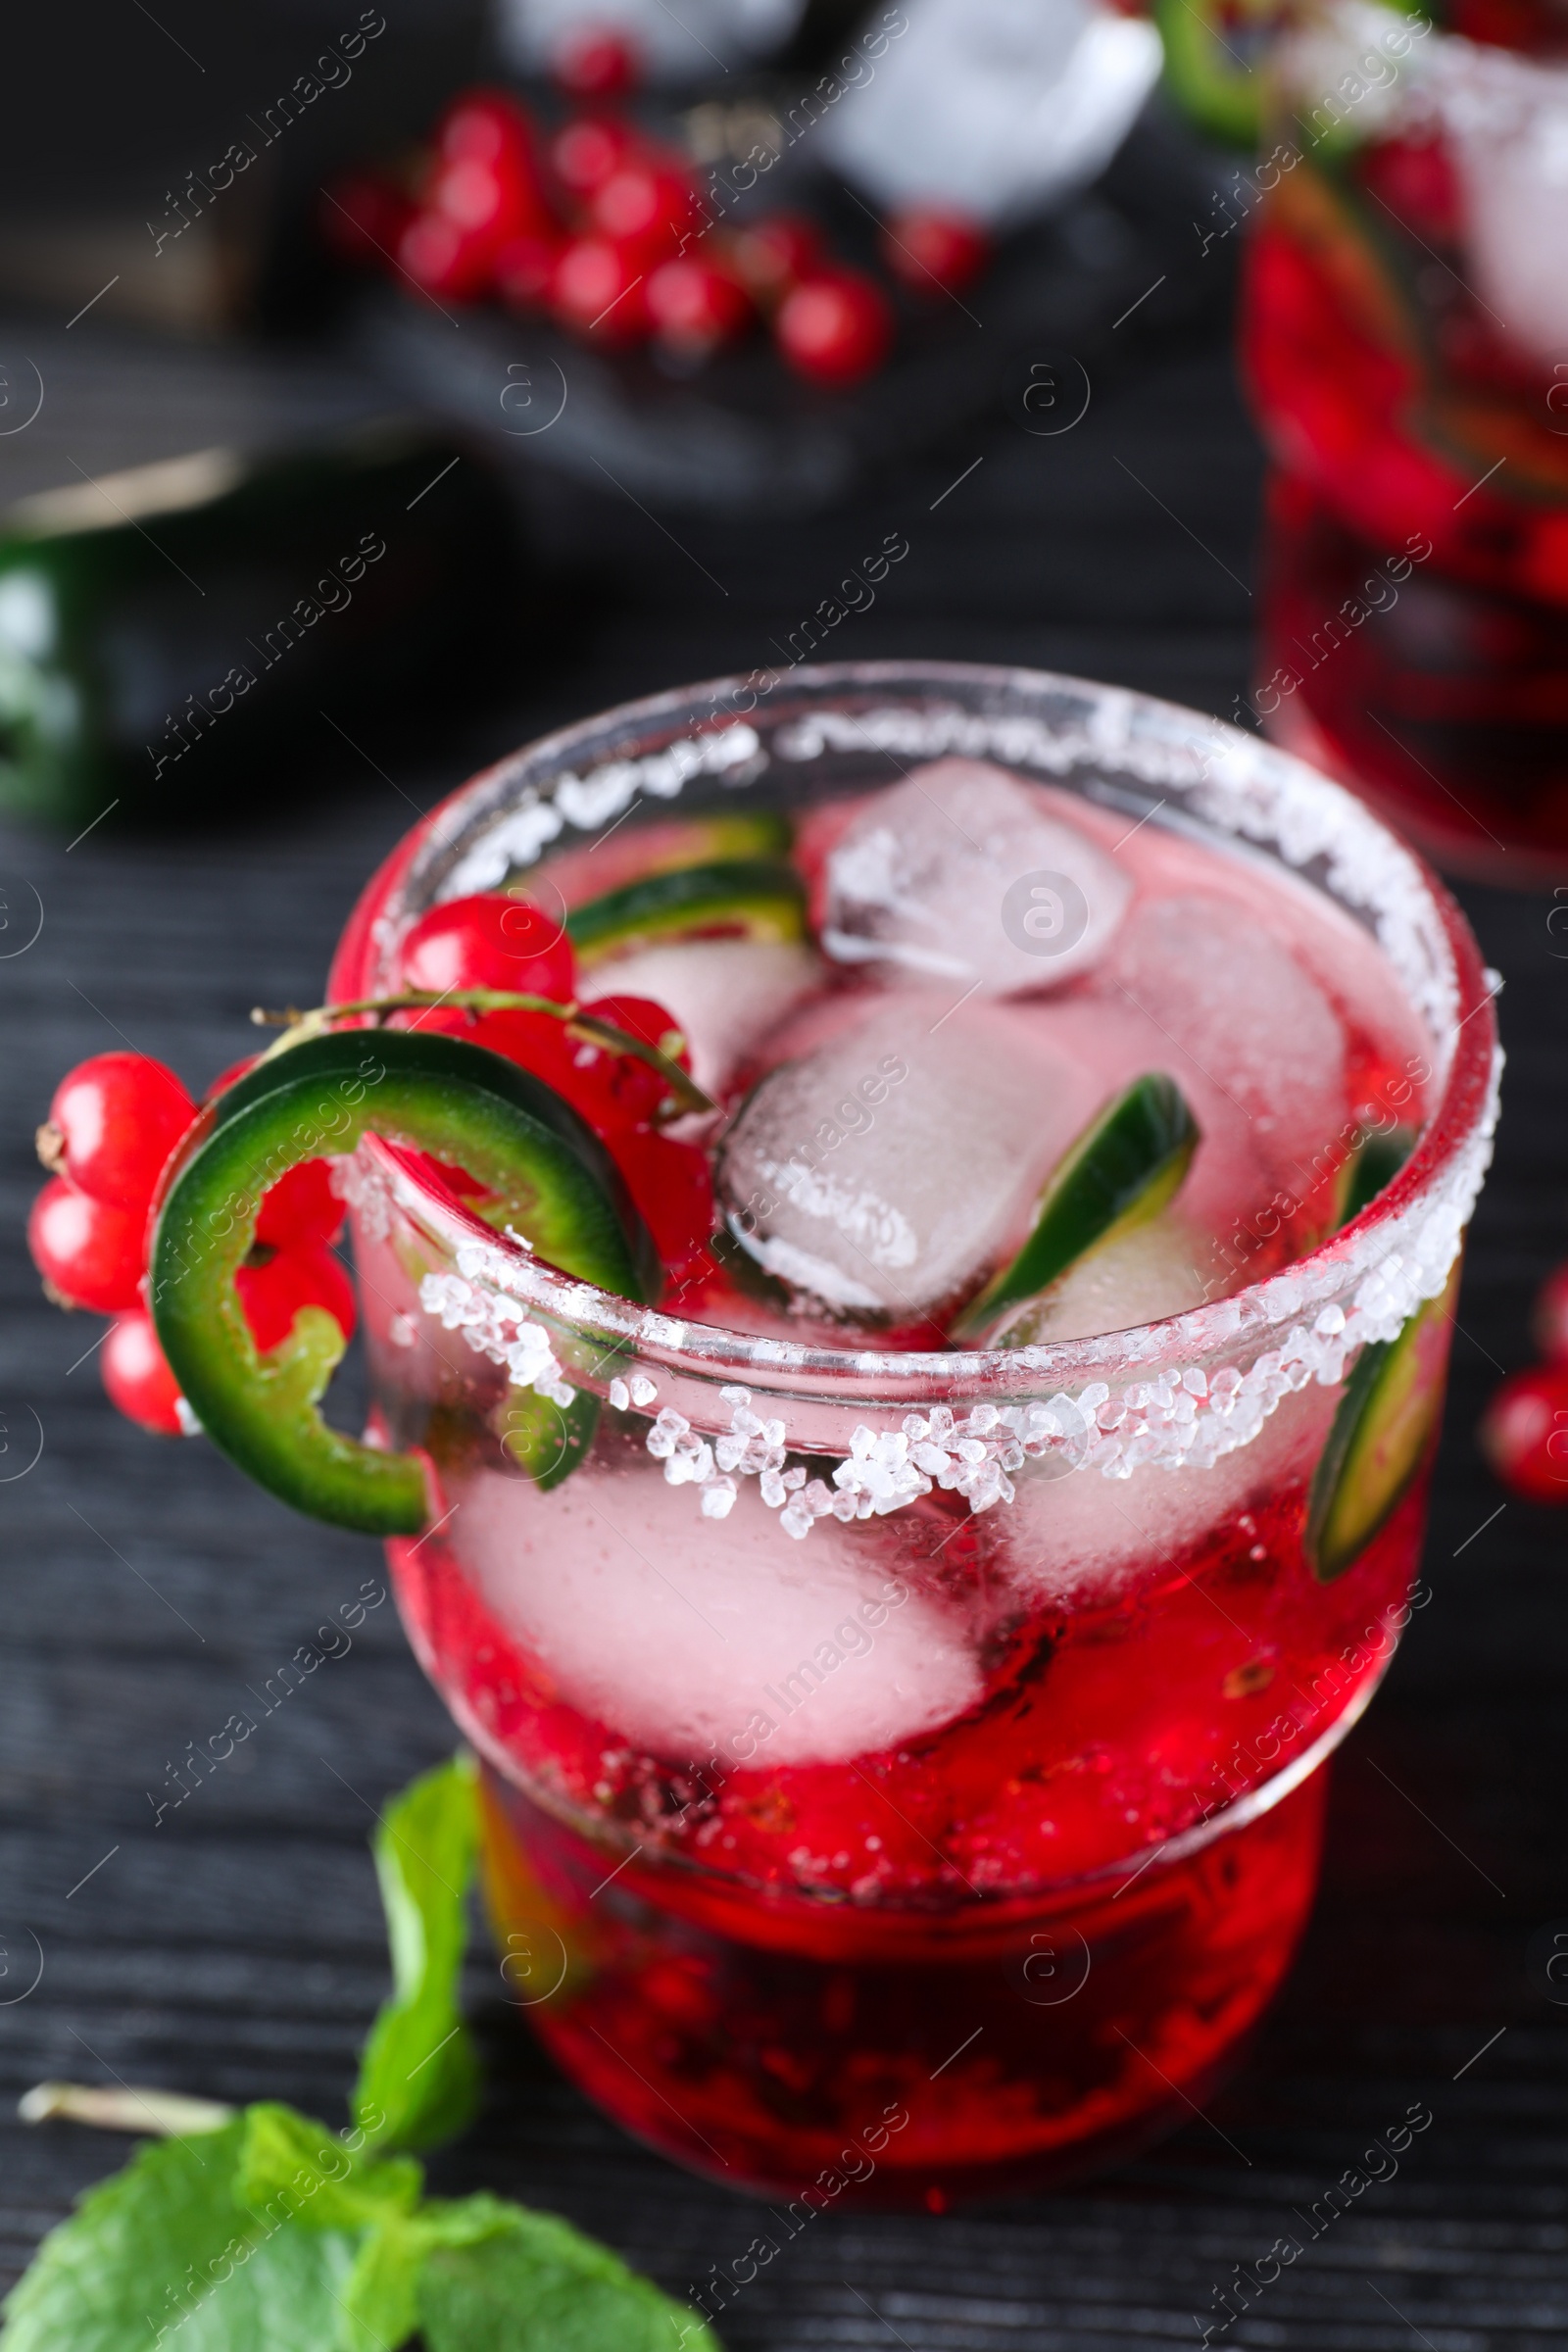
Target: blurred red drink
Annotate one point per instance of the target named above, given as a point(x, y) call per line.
point(1405, 335)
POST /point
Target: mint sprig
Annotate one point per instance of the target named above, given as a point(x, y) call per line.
point(273, 2232)
point(167, 2246)
point(418, 2076)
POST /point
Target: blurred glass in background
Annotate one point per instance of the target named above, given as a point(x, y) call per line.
point(1405, 330)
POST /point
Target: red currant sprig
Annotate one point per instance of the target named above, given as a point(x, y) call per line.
point(492, 968)
point(113, 1127)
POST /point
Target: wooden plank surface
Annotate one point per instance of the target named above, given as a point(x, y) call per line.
point(236, 1948)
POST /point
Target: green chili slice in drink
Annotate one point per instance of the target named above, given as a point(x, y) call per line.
point(1378, 1440)
point(755, 898)
point(1121, 1171)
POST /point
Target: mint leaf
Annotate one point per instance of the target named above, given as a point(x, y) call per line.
point(531, 2282)
point(166, 2245)
point(381, 2301)
point(419, 2077)
point(292, 2166)
point(381, 2297)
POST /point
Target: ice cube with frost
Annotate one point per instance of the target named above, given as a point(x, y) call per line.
point(1228, 1001)
point(889, 1168)
point(686, 1635)
point(960, 873)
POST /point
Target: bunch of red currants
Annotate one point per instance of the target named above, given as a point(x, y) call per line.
point(115, 1126)
point(1524, 1431)
point(608, 231)
point(118, 1124)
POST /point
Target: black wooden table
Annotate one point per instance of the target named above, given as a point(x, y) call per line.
point(237, 1950)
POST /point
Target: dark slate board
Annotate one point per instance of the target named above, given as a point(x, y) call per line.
point(1089, 288)
point(237, 1950)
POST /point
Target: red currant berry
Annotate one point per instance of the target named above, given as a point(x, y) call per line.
point(595, 61)
point(525, 265)
point(490, 941)
point(695, 305)
point(486, 127)
point(934, 253)
point(362, 217)
point(138, 1377)
point(443, 258)
point(300, 1206)
point(613, 1092)
point(834, 329)
point(600, 289)
point(646, 205)
point(582, 1072)
point(112, 1125)
point(89, 1253)
point(631, 1092)
point(771, 256)
point(588, 152)
point(1552, 1317)
point(673, 1187)
point(1524, 1433)
point(274, 1289)
point(493, 199)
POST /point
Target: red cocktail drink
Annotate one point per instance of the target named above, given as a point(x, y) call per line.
point(904, 1649)
point(1406, 333)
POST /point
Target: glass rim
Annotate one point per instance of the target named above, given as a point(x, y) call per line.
point(1456, 1129)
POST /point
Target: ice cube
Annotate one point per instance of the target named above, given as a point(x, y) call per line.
point(725, 994)
point(961, 872)
point(1084, 1536)
point(1140, 1277)
point(679, 1633)
point(1504, 122)
point(1225, 1001)
point(1106, 1032)
point(887, 1170)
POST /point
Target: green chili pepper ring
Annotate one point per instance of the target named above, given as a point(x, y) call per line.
point(555, 1184)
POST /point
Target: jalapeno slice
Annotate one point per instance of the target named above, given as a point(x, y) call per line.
point(550, 1178)
point(1379, 1438)
point(1121, 1171)
point(759, 898)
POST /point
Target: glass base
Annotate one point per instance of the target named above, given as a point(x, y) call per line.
point(1443, 704)
point(811, 2051)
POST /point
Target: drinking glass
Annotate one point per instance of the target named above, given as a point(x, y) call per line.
point(774, 1929)
point(1405, 336)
